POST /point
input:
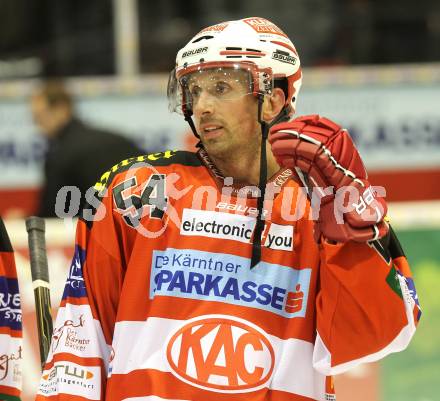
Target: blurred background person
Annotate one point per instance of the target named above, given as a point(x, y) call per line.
point(77, 154)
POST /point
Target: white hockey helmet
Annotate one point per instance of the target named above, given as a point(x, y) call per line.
point(254, 45)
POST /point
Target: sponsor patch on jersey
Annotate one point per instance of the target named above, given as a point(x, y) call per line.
point(71, 378)
point(76, 332)
point(11, 358)
point(409, 294)
point(217, 225)
point(188, 273)
point(235, 227)
point(279, 237)
point(221, 353)
point(10, 305)
point(413, 293)
point(71, 335)
point(75, 282)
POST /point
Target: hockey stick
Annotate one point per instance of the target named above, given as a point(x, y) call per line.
point(35, 227)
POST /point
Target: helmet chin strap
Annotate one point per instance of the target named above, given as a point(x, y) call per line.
point(259, 227)
point(188, 118)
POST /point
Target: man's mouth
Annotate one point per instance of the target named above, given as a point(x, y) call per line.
point(211, 129)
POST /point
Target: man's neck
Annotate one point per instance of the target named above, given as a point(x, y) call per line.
point(62, 129)
point(245, 168)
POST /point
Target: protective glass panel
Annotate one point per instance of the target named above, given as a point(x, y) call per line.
point(216, 84)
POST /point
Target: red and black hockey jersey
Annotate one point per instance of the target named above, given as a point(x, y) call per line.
point(161, 303)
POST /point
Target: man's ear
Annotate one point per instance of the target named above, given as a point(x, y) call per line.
point(273, 104)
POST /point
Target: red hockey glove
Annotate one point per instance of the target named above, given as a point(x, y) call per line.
point(325, 157)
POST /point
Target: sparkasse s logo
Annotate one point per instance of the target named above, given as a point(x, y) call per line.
point(222, 354)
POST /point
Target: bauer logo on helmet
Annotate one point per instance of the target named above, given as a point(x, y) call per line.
point(194, 52)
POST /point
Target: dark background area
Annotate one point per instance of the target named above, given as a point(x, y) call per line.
point(75, 38)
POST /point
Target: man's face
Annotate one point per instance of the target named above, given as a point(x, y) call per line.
point(48, 119)
point(225, 112)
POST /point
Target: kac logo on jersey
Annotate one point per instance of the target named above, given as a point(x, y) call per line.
point(221, 353)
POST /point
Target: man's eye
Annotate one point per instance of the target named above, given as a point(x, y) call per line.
point(221, 88)
point(195, 91)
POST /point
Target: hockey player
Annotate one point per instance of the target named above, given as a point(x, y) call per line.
point(185, 285)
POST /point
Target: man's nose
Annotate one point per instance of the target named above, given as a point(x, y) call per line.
point(205, 103)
